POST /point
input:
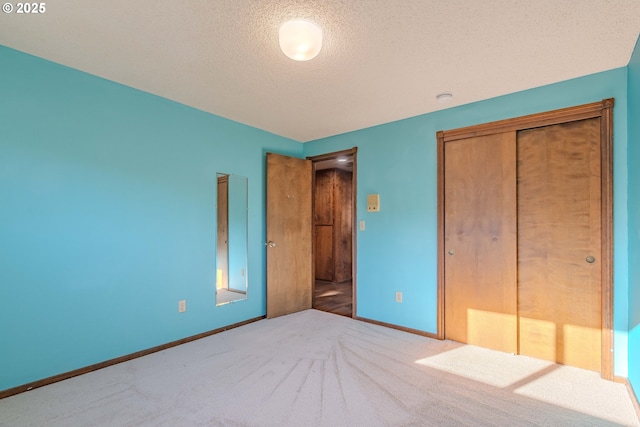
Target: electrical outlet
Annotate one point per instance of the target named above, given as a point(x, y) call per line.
point(398, 296)
point(182, 306)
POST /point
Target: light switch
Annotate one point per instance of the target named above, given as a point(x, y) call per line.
point(361, 225)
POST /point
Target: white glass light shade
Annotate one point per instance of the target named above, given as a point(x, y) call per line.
point(300, 40)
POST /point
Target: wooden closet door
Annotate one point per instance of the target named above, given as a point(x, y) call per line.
point(324, 207)
point(480, 241)
point(342, 225)
point(559, 212)
point(324, 252)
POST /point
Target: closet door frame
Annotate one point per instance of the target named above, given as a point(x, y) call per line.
point(602, 110)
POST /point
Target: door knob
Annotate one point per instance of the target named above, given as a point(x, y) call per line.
point(451, 252)
point(271, 244)
point(590, 259)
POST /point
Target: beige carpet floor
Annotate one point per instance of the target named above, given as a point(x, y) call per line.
point(318, 369)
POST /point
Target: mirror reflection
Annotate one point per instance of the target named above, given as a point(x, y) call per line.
point(231, 253)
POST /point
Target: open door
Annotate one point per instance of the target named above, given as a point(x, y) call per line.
point(289, 238)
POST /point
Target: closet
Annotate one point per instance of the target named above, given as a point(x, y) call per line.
point(525, 236)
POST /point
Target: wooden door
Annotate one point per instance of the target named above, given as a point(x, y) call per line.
point(480, 241)
point(323, 216)
point(343, 225)
point(222, 258)
point(559, 228)
point(323, 197)
point(289, 240)
point(324, 252)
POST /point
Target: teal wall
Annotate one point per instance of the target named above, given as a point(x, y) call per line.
point(634, 219)
point(107, 218)
point(107, 213)
point(398, 249)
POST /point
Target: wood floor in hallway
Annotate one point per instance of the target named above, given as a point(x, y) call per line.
point(334, 297)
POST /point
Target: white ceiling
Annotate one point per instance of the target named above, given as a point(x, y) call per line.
point(382, 60)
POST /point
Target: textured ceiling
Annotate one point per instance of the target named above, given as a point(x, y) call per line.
point(381, 60)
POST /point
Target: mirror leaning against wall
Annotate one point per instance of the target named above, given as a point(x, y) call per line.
point(231, 245)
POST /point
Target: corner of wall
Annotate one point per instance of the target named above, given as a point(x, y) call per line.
point(633, 197)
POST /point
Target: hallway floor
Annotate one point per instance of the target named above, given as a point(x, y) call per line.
point(334, 297)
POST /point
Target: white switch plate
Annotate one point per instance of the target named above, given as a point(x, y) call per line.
point(182, 306)
point(361, 225)
point(398, 296)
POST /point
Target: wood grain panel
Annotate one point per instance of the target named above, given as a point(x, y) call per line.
point(559, 223)
point(343, 219)
point(602, 111)
point(564, 115)
point(324, 252)
point(323, 197)
point(480, 241)
point(289, 227)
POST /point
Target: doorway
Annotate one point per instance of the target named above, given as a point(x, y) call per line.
point(333, 232)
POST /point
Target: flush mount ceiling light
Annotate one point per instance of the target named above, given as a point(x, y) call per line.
point(300, 40)
point(444, 97)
